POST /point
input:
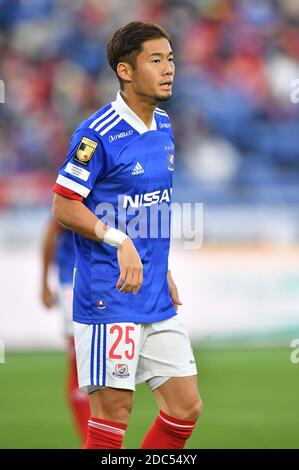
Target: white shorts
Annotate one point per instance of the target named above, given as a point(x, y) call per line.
point(121, 355)
point(65, 297)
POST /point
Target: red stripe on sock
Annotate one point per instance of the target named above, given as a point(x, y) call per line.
point(176, 421)
point(168, 432)
point(109, 423)
point(104, 434)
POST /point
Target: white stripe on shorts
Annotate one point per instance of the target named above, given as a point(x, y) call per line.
point(96, 356)
point(101, 355)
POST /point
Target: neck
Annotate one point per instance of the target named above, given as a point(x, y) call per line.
point(140, 105)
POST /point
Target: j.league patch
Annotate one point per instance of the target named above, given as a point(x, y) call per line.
point(85, 151)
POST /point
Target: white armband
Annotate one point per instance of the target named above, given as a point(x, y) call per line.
point(114, 237)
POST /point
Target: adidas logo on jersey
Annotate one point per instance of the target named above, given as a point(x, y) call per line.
point(138, 169)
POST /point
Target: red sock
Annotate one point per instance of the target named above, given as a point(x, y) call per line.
point(168, 432)
point(78, 400)
point(104, 434)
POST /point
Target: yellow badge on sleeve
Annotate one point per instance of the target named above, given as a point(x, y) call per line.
point(85, 150)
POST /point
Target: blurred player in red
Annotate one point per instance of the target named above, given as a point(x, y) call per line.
point(58, 248)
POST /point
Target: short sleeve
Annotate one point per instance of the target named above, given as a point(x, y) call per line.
point(84, 164)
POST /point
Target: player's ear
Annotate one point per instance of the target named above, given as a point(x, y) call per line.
point(124, 71)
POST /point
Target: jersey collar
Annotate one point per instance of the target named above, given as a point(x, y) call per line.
point(130, 117)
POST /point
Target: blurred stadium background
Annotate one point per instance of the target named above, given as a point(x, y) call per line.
point(237, 152)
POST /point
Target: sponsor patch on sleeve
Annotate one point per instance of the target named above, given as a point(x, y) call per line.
point(77, 171)
point(85, 151)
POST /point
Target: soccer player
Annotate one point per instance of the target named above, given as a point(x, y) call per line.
point(126, 327)
point(58, 248)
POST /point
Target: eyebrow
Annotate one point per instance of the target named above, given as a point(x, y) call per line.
point(160, 54)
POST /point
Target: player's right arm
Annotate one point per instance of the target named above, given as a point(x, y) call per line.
point(76, 179)
point(74, 215)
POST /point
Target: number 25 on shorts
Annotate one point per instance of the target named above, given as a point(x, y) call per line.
point(123, 338)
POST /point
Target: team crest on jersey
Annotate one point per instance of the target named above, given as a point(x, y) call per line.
point(121, 371)
point(85, 151)
point(170, 157)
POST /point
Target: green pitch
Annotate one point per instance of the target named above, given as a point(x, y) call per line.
point(250, 401)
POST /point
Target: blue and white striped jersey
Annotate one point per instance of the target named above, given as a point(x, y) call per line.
point(123, 170)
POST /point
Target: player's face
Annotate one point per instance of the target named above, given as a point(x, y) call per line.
point(154, 71)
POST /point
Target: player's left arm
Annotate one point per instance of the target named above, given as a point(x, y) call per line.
point(173, 291)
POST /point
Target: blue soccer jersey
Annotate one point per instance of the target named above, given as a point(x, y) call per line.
point(65, 256)
point(123, 170)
